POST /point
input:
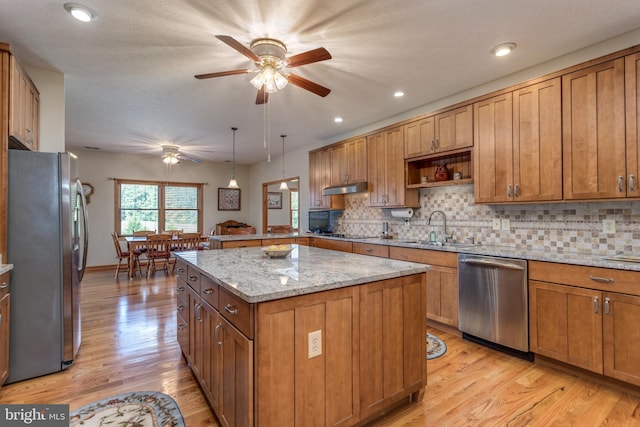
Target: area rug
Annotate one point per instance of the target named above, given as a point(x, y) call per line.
point(138, 409)
point(435, 347)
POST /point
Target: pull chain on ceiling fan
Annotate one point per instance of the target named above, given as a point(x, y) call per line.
point(269, 56)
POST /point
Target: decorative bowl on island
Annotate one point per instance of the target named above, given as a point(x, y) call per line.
point(277, 251)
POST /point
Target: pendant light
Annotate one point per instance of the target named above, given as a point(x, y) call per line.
point(232, 182)
point(283, 184)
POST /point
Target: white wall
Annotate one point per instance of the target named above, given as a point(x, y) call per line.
point(50, 84)
point(97, 167)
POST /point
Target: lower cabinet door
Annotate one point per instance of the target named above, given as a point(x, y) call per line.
point(442, 295)
point(236, 374)
point(621, 337)
point(210, 370)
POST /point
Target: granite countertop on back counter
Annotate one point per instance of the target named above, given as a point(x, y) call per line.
point(5, 267)
point(254, 277)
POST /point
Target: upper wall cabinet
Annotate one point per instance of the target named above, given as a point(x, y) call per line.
point(439, 133)
point(24, 108)
point(518, 142)
point(632, 87)
point(386, 170)
point(319, 178)
point(593, 124)
point(349, 161)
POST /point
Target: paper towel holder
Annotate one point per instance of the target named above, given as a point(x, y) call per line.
point(405, 214)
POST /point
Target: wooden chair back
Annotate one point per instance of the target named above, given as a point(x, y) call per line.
point(143, 233)
point(189, 242)
point(242, 230)
point(174, 233)
point(281, 229)
point(159, 245)
point(117, 241)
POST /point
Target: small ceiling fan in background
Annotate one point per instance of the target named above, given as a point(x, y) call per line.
point(269, 56)
point(171, 155)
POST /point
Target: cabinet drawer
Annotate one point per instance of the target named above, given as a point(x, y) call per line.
point(336, 245)
point(604, 279)
point(181, 291)
point(183, 309)
point(181, 269)
point(182, 333)
point(4, 284)
point(209, 291)
point(424, 256)
point(370, 249)
point(277, 241)
point(302, 241)
point(237, 311)
point(193, 278)
point(241, 244)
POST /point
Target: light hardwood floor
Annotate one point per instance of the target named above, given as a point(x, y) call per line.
point(129, 344)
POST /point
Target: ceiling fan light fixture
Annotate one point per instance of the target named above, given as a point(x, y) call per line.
point(170, 159)
point(503, 49)
point(80, 12)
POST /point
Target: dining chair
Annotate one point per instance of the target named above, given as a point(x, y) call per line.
point(189, 242)
point(158, 249)
point(143, 233)
point(281, 229)
point(123, 254)
point(174, 233)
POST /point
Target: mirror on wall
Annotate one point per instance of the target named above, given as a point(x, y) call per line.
point(281, 206)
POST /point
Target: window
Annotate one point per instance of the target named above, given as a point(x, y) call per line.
point(148, 205)
point(294, 210)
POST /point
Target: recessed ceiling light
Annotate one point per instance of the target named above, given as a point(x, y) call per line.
point(398, 94)
point(503, 49)
point(80, 12)
point(338, 120)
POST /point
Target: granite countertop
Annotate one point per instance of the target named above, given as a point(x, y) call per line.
point(560, 256)
point(254, 277)
point(5, 267)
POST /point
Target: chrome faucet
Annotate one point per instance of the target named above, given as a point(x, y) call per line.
point(445, 236)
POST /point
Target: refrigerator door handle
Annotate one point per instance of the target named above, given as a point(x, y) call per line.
point(83, 207)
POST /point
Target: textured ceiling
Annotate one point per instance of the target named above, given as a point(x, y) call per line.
point(129, 74)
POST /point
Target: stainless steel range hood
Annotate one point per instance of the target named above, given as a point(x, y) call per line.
point(357, 187)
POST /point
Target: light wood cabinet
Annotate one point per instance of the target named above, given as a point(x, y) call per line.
point(386, 170)
point(442, 132)
point(5, 306)
point(24, 108)
point(349, 161)
point(442, 281)
point(593, 124)
point(319, 178)
point(336, 245)
point(371, 249)
point(586, 316)
point(632, 109)
point(392, 347)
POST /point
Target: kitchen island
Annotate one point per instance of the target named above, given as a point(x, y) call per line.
point(317, 338)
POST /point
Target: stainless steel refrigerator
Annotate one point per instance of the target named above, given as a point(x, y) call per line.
point(47, 245)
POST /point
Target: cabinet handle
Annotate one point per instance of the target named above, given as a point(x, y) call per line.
point(181, 327)
point(181, 270)
point(231, 309)
point(4, 285)
point(216, 334)
point(437, 144)
point(197, 307)
point(595, 305)
point(180, 288)
point(607, 309)
point(208, 291)
point(601, 279)
point(632, 183)
point(509, 191)
point(620, 181)
point(193, 278)
point(180, 307)
point(433, 145)
point(368, 250)
point(516, 190)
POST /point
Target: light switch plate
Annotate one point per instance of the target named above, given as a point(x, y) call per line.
point(609, 226)
point(496, 224)
point(506, 224)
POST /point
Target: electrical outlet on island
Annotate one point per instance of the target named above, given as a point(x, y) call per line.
point(315, 343)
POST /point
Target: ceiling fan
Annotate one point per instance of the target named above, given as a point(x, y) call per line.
point(269, 56)
point(171, 155)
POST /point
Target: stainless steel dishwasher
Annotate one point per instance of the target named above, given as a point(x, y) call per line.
point(493, 301)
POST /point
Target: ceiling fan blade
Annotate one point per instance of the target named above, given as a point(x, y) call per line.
point(239, 47)
point(263, 96)
point(222, 74)
point(308, 85)
point(315, 55)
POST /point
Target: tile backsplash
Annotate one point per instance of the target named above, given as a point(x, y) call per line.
point(570, 227)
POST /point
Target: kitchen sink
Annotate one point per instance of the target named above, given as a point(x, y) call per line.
point(449, 244)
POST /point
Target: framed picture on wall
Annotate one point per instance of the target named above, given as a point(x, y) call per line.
point(228, 199)
point(274, 200)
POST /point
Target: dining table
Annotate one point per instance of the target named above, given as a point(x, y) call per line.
point(138, 243)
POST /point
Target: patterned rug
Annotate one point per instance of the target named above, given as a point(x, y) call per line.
point(139, 409)
point(435, 347)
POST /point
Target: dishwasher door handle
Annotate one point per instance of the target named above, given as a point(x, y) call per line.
point(491, 263)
